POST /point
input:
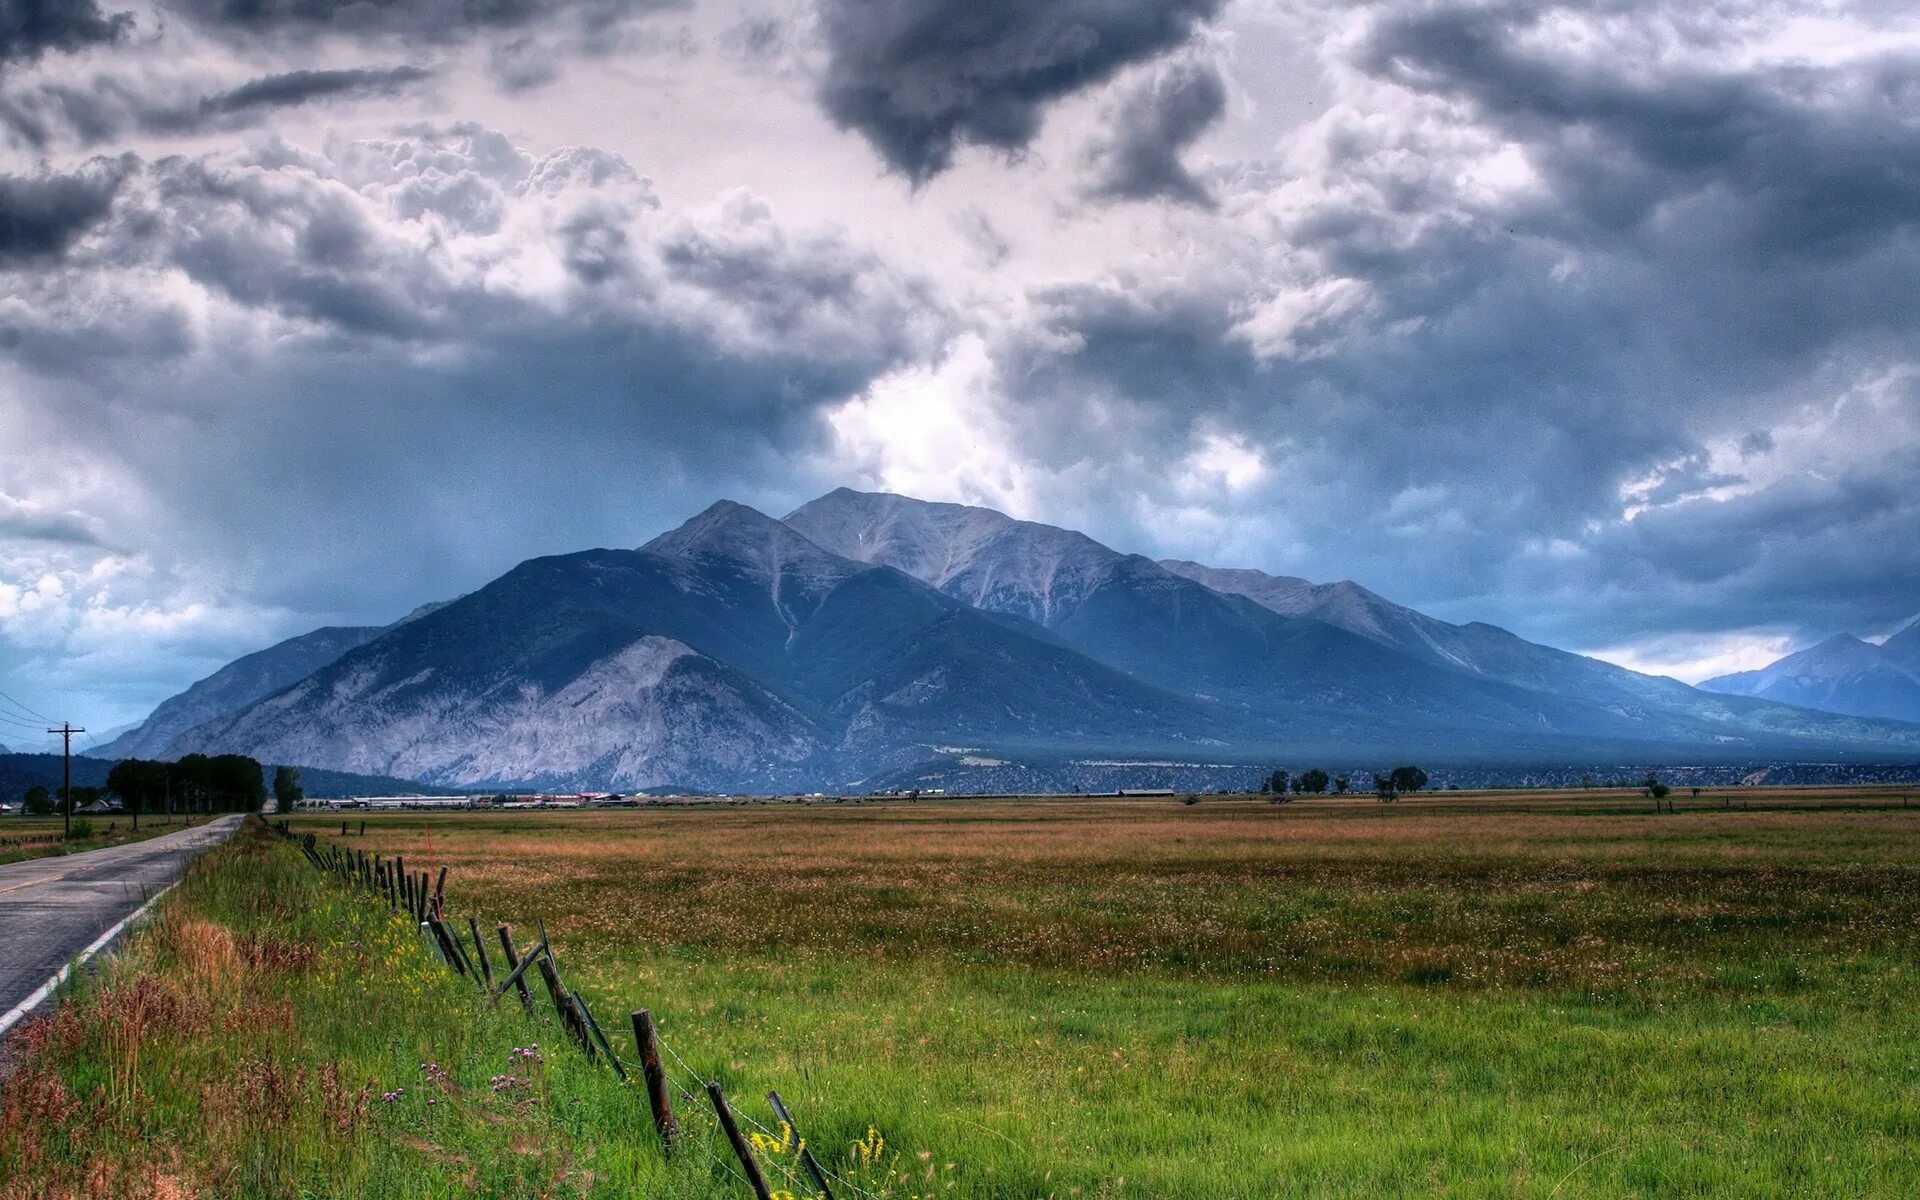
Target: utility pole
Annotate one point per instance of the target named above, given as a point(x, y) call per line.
point(66, 732)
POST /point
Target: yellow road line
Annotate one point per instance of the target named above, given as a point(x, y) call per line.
point(32, 882)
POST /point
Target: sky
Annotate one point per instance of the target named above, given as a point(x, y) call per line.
point(1594, 321)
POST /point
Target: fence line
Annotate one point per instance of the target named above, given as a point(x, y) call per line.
point(421, 898)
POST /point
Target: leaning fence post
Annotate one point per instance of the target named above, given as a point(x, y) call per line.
point(606, 1047)
point(455, 956)
point(427, 930)
point(744, 1152)
point(569, 1020)
point(807, 1159)
point(480, 948)
point(440, 894)
point(519, 976)
point(648, 1040)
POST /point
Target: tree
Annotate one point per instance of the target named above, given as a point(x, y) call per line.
point(222, 783)
point(287, 791)
point(1655, 790)
point(1276, 784)
point(1340, 784)
point(39, 801)
point(1385, 788)
point(1408, 779)
point(140, 783)
point(1313, 782)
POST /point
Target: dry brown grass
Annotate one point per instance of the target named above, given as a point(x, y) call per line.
point(1525, 893)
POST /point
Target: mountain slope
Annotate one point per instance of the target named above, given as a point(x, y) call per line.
point(1293, 649)
point(241, 682)
point(731, 653)
point(1840, 675)
point(1166, 630)
point(234, 686)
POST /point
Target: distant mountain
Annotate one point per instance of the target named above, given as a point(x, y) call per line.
point(1840, 675)
point(1272, 642)
point(1159, 626)
point(1479, 649)
point(730, 653)
point(241, 682)
point(874, 638)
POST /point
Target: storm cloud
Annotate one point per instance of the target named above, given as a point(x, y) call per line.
point(41, 215)
point(109, 109)
point(1596, 322)
point(30, 28)
point(920, 78)
point(1152, 125)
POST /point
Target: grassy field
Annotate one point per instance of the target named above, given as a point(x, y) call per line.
point(22, 838)
point(1474, 996)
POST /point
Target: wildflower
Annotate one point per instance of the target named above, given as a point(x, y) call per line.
point(392, 1096)
point(867, 1150)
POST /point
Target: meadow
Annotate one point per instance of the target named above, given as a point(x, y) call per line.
point(1474, 996)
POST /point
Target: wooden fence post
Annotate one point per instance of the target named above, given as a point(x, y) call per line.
point(480, 948)
point(519, 976)
point(807, 1159)
point(741, 1150)
point(451, 944)
point(438, 945)
point(649, 1042)
point(569, 1020)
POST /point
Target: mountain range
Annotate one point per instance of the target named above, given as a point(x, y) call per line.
point(1843, 674)
point(866, 636)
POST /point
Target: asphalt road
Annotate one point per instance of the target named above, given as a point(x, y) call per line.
point(53, 908)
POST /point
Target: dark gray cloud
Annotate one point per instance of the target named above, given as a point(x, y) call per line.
point(299, 87)
point(424, 20)
point(1818, 159)
point(920, 78)
point(529, 40)
point(42, 215)
point(1562, 401)
point(1151, 127)
point(30, 28)
point(428, 322)
point(109, 108)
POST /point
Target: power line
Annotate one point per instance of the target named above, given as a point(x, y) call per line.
point(23, 708)
point(10, 719)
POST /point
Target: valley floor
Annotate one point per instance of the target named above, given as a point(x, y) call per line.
point(1486, 997)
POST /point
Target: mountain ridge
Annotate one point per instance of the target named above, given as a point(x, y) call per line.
point(868, 633)
point(1841, 674)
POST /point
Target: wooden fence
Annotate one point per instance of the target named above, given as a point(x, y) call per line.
point(421, 897)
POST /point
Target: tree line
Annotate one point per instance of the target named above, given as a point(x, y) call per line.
point(195, 783)
point(1281, 787)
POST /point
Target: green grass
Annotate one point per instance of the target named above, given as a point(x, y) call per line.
point(240, 1045)
point(1069, 999)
